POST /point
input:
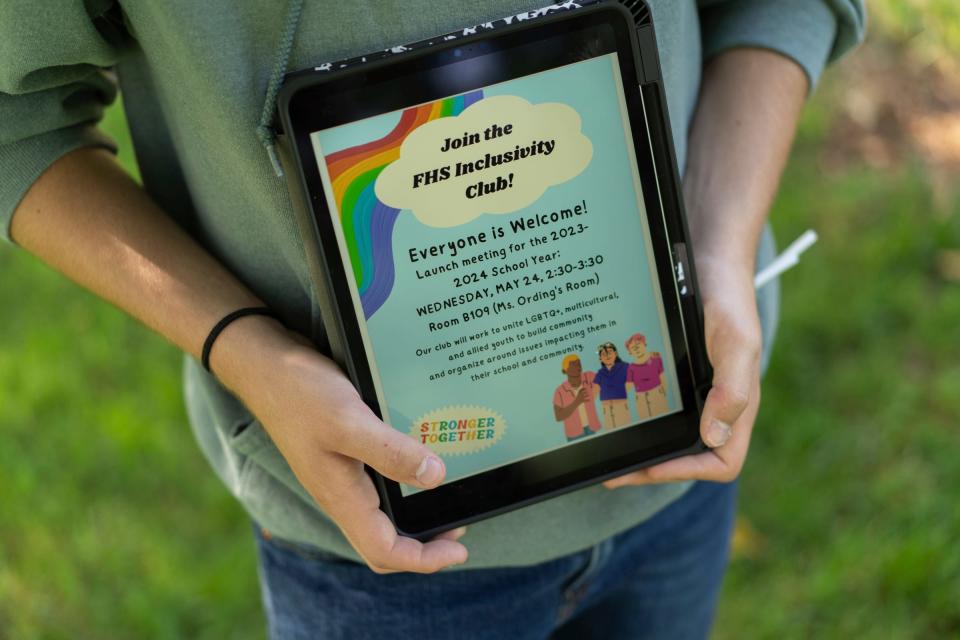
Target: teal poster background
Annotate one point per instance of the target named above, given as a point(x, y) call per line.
point(578, 282)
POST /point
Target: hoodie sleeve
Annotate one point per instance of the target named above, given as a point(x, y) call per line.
point(54, 87)
point(810, 32)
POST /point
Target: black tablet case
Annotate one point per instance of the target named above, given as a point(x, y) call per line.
point(327, 330)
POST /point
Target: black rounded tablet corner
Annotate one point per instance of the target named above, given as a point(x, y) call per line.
point(623, 7)
point(644, 39)
point(387, 506)
point(428, 534)
point(291, 86)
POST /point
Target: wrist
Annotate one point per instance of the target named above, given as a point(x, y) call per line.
point(248, 348)
point(721, 273)
point(735, 248)
point(724, 242)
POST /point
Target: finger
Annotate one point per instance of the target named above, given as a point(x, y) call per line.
point(733, 380)
point(396, 455)
point(407, 554)
point(384, 550)
point(354, 505)
point(633, 478)
point(722, 464)
point(702, 466)
point(453, 534)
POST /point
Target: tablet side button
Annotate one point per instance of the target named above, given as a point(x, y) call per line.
point(681, 267)
point(648, 54)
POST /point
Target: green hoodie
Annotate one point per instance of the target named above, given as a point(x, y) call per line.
point(194, 75)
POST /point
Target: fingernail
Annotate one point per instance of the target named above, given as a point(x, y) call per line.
point(718, 433)
point(429, 471)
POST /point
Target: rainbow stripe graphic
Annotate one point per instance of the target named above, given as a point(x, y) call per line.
point(368, 223)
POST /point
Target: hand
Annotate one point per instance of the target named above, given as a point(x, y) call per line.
point(326, 433)
point(582, 396)
point(732, 330)
point(749, 105)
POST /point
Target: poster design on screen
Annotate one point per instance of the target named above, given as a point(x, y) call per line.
point(502, 266)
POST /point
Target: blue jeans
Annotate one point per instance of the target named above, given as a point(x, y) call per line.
point(657, 580)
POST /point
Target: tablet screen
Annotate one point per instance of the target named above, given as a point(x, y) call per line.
point(503, 271)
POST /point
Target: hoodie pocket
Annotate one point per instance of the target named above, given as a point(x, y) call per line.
point(247, 437)
point(249, 440)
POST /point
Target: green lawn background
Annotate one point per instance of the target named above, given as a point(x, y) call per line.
point(112, 525)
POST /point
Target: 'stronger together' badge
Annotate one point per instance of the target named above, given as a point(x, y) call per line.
point(459, 429)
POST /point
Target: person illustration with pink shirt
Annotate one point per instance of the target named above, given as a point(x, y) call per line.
point(645, 374)
point(574, 401)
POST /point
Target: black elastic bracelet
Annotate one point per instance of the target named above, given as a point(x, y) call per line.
point(227, 319)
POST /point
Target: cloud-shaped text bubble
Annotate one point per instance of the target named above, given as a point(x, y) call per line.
point(498, 156)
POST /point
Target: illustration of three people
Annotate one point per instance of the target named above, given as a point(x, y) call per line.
point(574, 401)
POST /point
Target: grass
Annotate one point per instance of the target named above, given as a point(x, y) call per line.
point(849, 493)
point(112, 525)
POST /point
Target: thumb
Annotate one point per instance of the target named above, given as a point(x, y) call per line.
point(394, 454)
point(734, 371)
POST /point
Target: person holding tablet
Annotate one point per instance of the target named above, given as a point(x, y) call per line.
point(211, 231)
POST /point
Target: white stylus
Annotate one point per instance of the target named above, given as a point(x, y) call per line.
point(788, 258)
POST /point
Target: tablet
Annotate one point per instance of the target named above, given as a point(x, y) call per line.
point(497, 242)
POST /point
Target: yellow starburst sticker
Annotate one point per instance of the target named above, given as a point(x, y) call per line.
point(460, 429)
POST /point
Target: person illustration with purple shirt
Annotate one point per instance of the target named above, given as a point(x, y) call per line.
point(612, 380)
point(645, 374)
point(574, 401)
